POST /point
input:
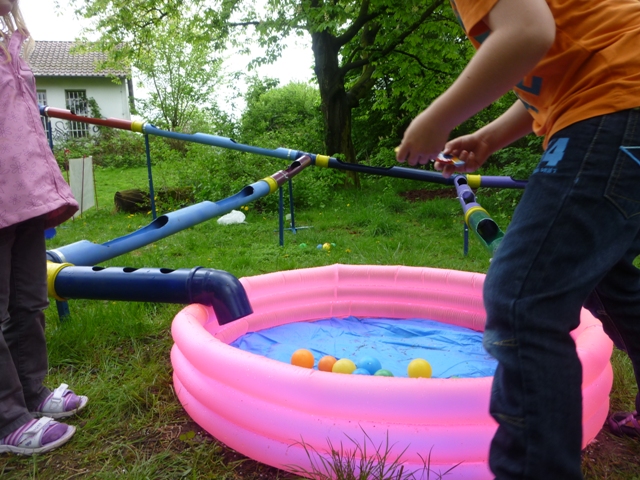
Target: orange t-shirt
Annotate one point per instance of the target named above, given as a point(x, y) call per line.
point(593, 67)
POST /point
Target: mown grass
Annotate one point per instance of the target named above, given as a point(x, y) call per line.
point(117, 353)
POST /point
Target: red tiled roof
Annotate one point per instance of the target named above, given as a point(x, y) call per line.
point(54, 59)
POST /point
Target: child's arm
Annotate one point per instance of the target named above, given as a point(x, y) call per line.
point(522, 31)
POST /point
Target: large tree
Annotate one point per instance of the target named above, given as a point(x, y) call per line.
point(381, 51)
point(411, 45)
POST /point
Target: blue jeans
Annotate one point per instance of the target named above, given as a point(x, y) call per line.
point(23, 297)
point(572, 241)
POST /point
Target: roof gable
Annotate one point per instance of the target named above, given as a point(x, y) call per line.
point(54, 59)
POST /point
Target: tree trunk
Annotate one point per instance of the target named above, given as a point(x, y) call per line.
point(336, 106)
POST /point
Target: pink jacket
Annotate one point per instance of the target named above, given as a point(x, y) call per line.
point(31, 183)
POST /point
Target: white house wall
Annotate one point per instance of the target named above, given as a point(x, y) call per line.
point(112, 98)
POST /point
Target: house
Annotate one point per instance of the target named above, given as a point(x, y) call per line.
point(68, 80)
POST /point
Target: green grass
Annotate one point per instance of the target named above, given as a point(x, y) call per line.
point(117, 353)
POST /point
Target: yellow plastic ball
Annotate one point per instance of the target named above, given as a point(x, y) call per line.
point(302, 358)
point(419, 368)
point(325, 364)
point(344, 365)
point(326, 246)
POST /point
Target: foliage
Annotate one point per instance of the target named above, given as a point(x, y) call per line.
point(408, 79)
point(378, 62)
point(393, 56)
point(109, 148)
point(170, 50)
point(287, 117)
point(121, 149)
point(183, 77)
point(358, 462)
point(128, 27)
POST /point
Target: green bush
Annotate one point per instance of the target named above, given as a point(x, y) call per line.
point(109, 148)
point(287, 117)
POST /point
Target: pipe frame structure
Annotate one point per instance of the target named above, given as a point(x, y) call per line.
point(285, 153)
point(87, 253)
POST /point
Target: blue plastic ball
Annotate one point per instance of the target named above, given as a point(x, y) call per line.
point(371, 364)
point(361, 371)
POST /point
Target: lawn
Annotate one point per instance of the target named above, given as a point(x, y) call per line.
point(117, 353)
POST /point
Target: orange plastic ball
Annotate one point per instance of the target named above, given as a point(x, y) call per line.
point(302, 358)
point(326, 363)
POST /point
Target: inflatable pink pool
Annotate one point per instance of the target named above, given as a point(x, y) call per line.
point(267, 409)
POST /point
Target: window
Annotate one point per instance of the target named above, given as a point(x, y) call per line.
point(42, 100)
point(42, 97)
point(77, 103)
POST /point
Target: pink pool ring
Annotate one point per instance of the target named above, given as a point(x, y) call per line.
point(270, 411)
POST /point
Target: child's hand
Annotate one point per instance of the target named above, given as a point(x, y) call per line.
point(423, 140)
point(471, 149)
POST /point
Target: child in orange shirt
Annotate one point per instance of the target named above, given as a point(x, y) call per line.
point(576, 232)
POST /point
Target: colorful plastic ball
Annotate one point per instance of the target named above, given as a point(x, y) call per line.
point(361, 371)
point(383, 373)
point(371, 364)
point(326, 363)
point(303, 245)
point(344, 365)
point(326, 246)
point(419, 368)
point(319, 247)
point(302, 358)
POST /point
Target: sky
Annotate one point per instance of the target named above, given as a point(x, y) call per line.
point(46, 22)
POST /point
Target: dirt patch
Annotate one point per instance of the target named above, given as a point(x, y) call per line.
point(186, 433)
point(425, 194)
point(611, 457)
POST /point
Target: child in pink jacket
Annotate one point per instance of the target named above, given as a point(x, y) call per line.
point(33, 197)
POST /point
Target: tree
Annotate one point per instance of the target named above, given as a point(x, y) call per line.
point(287, 116)
point(356, 44)
point(182, 77)
point(160, 38)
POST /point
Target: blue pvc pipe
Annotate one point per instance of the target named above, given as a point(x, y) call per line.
point(423, 175)
point(223, 142)
point(88, 253)
point(476, 218)
point(288, 154)
point(501, 182)
point(216, 288)
point(85, 252)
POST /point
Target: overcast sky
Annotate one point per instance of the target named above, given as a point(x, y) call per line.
point(45, 22)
